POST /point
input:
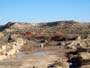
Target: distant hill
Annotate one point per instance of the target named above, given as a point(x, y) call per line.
point(64, 26)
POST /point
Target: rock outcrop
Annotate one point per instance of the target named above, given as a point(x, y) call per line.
point(11, 49)
point(85, 43)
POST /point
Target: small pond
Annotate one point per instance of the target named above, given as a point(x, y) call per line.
point(39, 54)
point(36, 54)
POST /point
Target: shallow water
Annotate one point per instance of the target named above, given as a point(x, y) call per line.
point(39, 54)
point(36, 54)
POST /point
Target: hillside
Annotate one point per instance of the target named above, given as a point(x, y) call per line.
point(64, 26)
point(59, 44)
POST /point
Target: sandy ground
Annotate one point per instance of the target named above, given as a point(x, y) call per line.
point(38, 58)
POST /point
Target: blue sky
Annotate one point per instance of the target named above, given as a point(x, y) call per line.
point(44, 10)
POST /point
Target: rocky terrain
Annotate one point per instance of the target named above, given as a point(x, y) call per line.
point(60, 44)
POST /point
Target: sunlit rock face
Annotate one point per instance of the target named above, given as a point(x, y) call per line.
point(11, 49)
point(1, 35)
point(85, 55)
point(80, 43)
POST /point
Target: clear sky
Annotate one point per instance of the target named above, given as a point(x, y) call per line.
point(44, 10)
